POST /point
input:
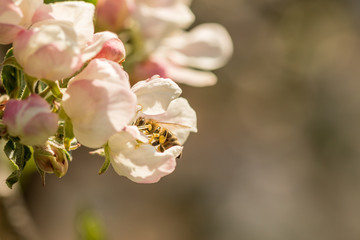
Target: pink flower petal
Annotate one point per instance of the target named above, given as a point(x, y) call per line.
point(30, 119)
point(105, 45)
point(207, 46)
point(99, 102)
point(49, 50)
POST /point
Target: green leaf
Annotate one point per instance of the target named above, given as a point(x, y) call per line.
point(10, 76)
point(13, 178)
point(11, 61)
point(9, 150)
point(18, 154)
point(53, 1)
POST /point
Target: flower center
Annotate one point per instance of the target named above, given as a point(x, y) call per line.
point(159, 136)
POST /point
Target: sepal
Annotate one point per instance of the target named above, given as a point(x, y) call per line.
point(106, 164)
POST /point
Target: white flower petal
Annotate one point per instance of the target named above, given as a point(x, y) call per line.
point(79, 13)
point(141, 164)
point(192, 77)
point(155, 94)
point(161, 15)
point(158, 19)
point(207, 46)
point(29, 8)
point(10, 13)
point(14, 17)
point(134, 131)
point(180, 113)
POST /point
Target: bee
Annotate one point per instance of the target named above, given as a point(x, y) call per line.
point(158, 133)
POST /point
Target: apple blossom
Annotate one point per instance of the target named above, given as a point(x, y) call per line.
point(141, 129)
point(139, 159)
point(15, 15)
point(99, 102)
point(31, 120)
point(185, 55)
point(208, 46)
point(61, 40)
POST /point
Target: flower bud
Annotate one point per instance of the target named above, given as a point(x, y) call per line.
point(49, 50)
point(112, 49)
point(31, 120)
point(51, 159)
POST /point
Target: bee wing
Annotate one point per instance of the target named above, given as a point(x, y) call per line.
point(172, 126)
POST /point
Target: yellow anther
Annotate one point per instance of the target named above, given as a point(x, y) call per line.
point(162, 139)
point(138, 144)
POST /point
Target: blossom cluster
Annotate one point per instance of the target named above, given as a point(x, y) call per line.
point(110, 86)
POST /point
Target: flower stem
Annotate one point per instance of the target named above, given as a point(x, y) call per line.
point(54, 87)
point(30, 82)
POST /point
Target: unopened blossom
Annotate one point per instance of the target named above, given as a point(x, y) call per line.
point(48, 50)
point(60, 41)
point(112, 49)
point(15, 15)
point(99, 102)
point(187, 57)
point(31, 120)
point(51, 159)
point(138, 152)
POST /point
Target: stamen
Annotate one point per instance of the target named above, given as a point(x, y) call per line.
point(162, 139)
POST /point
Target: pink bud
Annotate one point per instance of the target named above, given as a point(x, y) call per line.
point(49, 50)
point(112, 49)
point(31, 120)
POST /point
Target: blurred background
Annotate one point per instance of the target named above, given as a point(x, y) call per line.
point(277, 154)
